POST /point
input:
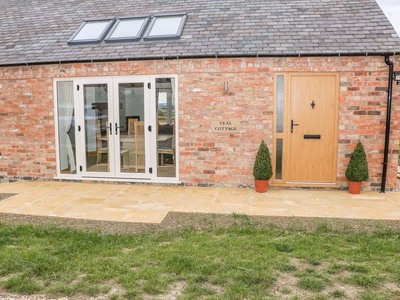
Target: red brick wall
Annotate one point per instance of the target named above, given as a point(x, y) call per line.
point(27, 137)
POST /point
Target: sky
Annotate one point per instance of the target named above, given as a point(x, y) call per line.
point(391, 8)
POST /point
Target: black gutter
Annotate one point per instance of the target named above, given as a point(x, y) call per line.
point(216, 55)
point(388, 113)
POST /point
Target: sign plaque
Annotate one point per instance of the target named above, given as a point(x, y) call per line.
point(225, 126)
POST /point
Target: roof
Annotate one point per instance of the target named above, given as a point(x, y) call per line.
point(39, 32)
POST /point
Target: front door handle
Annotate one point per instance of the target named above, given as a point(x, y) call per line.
point(292, 125)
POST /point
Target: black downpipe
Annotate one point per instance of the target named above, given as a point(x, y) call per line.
point(388, 115)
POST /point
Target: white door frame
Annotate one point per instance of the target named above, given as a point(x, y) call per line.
point(148, 122)
point(150, 119)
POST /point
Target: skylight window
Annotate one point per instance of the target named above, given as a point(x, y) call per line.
point(166, 27)
point(134, 28)
point(128, 29)
point(92, 31)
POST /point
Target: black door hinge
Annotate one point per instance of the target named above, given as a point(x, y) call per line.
point(151, 170)
point(77, 87)
point(80, 168)
point(79, 128)
point(149, 128)
point(149, 85)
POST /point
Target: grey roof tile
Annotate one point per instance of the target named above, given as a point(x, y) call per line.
point(39, 32)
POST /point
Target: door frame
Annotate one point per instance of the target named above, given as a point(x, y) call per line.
point(80, 121)
point(148, 121)
point(112, 82)
point(113, 119)
point(285, 135)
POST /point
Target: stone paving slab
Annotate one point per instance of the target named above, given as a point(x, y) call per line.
point(150, 204)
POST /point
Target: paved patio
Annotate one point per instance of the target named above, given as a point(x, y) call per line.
point(150, 204)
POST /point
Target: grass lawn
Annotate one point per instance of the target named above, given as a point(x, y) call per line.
point(239, 261)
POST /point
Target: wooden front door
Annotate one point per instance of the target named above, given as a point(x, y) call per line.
point(313, 127)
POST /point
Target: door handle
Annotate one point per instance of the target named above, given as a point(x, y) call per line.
point(292, 126)
point(116, 129)
point(110, 128)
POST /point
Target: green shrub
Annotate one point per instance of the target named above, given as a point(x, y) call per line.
point(357, 169)
point(262, 166)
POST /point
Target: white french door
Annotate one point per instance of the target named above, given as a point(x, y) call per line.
point(111, 148)
point(117, 127)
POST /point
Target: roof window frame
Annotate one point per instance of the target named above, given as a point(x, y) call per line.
point(99, 38)
point(154, 18)
point(109, 39)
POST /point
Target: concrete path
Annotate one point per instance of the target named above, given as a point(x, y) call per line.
point(150, 204)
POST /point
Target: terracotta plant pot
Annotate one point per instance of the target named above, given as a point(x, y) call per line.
point(261, 185)
point(354, 187)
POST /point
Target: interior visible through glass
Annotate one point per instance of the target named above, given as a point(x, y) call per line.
point(66, 127)
point(166, 129)
point(131, 120)
point(96, 127)
point(114, 134)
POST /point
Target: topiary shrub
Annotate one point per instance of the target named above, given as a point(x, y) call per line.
point(262, 169)
point(357, 169)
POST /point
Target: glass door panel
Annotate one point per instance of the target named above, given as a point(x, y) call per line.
point(132, 139)
point(66, 127)
point(96, 128)
point(166, 131)
point(125, 128)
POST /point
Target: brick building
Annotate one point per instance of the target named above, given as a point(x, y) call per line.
point(168, 92)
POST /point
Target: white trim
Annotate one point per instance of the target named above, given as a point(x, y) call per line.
point(55, 98)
